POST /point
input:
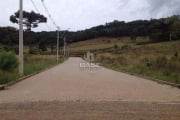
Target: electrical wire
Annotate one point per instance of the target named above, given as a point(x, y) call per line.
point(46, 9)
point(37, 10)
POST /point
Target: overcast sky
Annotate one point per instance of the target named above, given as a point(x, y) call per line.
point(82, 14)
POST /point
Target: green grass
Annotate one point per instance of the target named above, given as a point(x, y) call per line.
point(135, 57)
point(39, 66)
point(164, 75)
point(6, 77)
point(101, 43)
point(33, 64)
point(153, 60)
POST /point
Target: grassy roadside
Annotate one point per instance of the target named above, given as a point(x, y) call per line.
point(145, 72)
point(33, 64)
point(157, 61)
point(144, 58)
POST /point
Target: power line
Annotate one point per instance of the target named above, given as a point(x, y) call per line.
point(36, 8)
point(46, 9)
point(58, 28)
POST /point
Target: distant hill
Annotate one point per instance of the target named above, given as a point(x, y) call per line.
point(157, 30)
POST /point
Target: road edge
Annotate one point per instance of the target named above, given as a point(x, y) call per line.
point(145, 77)
point(4, 86)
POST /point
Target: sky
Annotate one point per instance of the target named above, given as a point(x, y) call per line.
point(83, 14)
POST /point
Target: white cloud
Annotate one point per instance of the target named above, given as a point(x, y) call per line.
point(82, 14)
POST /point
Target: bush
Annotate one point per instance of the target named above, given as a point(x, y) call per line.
point(8, 61)
point(6, 76)
point(159, 36)
point(10, 48)
point(33, 51)
point(102, 58)
point(115, 46)
point(174, 64)
point(157, 63)
point(121, 60)
point(147, 62)
point(161, 62)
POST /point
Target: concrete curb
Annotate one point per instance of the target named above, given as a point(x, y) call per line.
point(3, 87)
point(157, 80)
point(21, 79)
point(141, 76)
point(148, 78)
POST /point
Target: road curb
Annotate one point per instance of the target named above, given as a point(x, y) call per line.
point(145, 77)
point(157, 80)
point(4, 86)
point(142, 76)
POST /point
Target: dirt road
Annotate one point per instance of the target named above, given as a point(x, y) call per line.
point(68, 82)
point(89, 111)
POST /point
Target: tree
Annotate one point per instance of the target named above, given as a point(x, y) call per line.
point(174, 25)
point(30, 19)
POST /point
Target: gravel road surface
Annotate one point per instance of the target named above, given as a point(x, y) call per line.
point(89, 111)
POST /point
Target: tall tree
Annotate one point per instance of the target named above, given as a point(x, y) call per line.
point(30, 19)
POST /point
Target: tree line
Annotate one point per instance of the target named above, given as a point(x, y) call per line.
point(162, 29)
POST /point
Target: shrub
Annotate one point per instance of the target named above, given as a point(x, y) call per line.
point(102, 58)
point(176, 54)
point(159, 36)
point(161, 62)
point(157, 63)
point(33, 51)
point(8, 61)
point(174, 64)
point(122, 60)
point(108, 41)
point(108, 60)
point(115, 46)
point(146, 62)
point(10, 48)
point(124, 47)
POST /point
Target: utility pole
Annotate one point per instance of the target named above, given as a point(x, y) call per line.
point(170, 37)
point(21, 57)
point(58, 45)
point(65, 42)
point(64, 46)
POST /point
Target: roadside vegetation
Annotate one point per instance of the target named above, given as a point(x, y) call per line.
point(155, 53)
point(32, 64)
point(146, 58)
point(37, 57)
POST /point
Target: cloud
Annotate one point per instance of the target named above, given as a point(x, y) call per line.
point(82, 14)
point(160, 8)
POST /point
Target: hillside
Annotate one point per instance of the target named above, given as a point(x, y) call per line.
point(163, 29)
point(155, 60)
point(102, 43)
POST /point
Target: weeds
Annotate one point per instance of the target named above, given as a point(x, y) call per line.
point(157, 61)
point(33, 64)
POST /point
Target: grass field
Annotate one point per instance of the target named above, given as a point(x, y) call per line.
point(32, 64)
point(154, 60)
point(101, 43)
